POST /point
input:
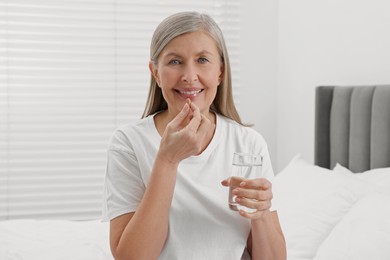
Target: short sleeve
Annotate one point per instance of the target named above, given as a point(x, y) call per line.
point(123, 186)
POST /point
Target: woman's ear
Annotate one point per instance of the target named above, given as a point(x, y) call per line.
point(220, 78)
point(154, 72)
point(221, 75)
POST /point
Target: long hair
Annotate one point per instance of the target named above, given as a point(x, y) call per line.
point(179, 24)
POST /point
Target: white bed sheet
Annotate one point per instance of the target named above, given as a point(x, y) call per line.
point(329, 214)
point(54, 239)
point(325, 214)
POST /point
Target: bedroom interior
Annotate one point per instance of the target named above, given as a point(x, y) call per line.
point(325, 81)
point(322, 209)
point(331, 209)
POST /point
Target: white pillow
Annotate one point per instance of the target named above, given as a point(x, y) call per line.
point(311, 201)
point(54, 239)
point(379, 176)
point(338, 168)
point(364, 233)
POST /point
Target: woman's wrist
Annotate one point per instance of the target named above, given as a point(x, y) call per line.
point(262, 220)
point(166, 162)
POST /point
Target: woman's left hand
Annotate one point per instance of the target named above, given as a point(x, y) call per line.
point(255, 194)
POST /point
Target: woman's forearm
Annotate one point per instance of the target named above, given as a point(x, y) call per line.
point(267, 238)
point(145, 234)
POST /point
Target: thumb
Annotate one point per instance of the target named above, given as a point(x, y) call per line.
point(225, 182)
point(175, 123)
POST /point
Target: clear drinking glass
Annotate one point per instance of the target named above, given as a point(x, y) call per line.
point(244, 166)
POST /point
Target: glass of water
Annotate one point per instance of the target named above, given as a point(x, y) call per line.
point(244, 166)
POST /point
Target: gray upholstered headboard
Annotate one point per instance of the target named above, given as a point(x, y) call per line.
point(352, 127)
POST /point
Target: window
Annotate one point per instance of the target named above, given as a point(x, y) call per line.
point(71, 71)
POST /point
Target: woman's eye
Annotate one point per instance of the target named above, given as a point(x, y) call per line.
point(202, 60)
point(174, 62)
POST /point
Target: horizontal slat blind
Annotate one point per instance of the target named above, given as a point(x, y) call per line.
point(70, 73)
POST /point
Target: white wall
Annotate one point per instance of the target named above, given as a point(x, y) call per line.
point(290, 47)
point(325, 42)
point(259, 68)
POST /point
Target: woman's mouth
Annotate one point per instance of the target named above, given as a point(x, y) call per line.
point(189, 93)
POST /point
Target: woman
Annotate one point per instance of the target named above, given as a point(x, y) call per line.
point(165, 194)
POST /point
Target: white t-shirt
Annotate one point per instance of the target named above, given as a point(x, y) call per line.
point(201, 225)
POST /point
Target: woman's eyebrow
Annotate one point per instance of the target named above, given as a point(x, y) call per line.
point(172, 54)
point(175, 54)
point(205, 52)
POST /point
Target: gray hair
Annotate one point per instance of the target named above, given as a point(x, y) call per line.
point(179, 24)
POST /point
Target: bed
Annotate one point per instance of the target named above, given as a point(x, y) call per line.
point(339, 207)
point(26, 239)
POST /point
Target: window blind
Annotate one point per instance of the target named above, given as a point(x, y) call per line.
point(71, 71)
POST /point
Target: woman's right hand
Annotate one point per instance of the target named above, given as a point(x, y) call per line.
point(181, 140)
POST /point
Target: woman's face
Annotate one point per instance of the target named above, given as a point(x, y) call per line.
point(189, 67)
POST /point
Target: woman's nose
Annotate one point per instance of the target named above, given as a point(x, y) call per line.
point(190, 74)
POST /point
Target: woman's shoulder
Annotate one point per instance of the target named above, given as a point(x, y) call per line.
point(135, 125)
point(138, 125)
point(245, 137)
point(125, 134)
point(233, 127)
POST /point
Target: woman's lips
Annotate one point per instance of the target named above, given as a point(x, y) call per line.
point(189, 93)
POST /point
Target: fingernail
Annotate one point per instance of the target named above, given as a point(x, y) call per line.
point(242, 184)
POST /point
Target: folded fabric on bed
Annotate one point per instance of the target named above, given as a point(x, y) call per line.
point(379, 177)
point(364, 233)
point(311, 202)
point(54, 239)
